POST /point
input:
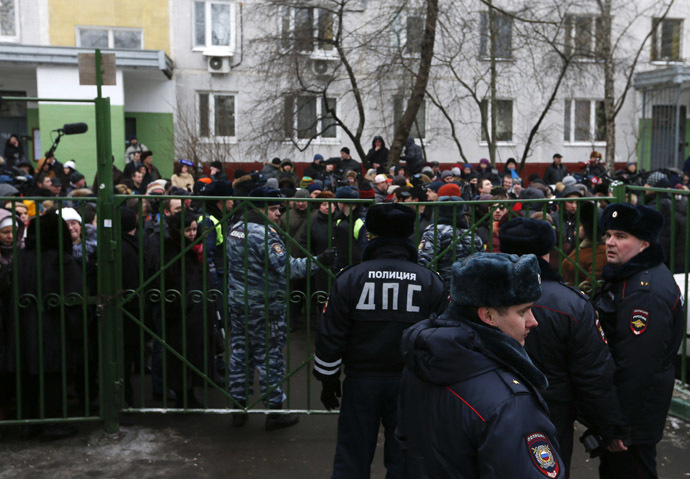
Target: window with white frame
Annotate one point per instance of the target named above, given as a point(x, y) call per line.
point(666, 39)
point(309, 117)
point(307, 30)
point(418, 129)
point(584, 121)
point(583, 36)
point(408, 31)
point(8, 20)
point(504, 120)
point(214, 23)
point(105, 37)
point(502, 29)
point(216, 115)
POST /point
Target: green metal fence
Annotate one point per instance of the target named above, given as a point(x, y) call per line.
point(161, 326)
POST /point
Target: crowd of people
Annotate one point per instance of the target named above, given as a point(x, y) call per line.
point(267, 240)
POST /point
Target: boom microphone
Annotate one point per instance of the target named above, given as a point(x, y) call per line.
point(74, 128)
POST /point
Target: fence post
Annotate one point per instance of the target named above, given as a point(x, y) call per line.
point(618, 191)
point(106, 258)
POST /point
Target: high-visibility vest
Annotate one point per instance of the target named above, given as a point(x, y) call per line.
point(359, 222)
point(217, 226)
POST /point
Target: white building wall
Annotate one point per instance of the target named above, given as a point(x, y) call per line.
point(585, 81)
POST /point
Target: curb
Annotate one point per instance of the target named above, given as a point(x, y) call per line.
point(680, 405)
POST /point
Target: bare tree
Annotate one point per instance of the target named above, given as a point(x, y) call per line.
point(402, 130)
point(620, 54)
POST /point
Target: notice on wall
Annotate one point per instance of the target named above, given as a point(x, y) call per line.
point(87, 68)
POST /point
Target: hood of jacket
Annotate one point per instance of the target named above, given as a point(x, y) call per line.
point(409, 142)
point(380, 138)
point(445, 351)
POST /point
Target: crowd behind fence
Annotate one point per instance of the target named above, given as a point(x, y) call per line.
point(173, 341)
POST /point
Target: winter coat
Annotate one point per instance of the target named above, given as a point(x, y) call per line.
point(380, 156)
point(555, 173)
point(641, 311)
point(189, 328)
point(264, 248)
point(413, 157)
point(436, 239)
point(314, 171)
point(345, 234)
point(586, 262)
point(296, 229)
point(352, 165)
point(370, 306)
point(271, 170)
point(570, 348)
point(59, 284)
point(183, 180)
point(469, 405)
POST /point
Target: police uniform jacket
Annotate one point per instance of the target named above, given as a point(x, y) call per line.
point(369, 307)
point(258, 257)
point(641, 311)
point(569, 347)
point(469, 406)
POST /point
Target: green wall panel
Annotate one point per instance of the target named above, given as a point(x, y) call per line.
point(155, 130)
point(81, 148)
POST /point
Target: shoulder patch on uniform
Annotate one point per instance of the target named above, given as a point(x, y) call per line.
point(639, 320)
point(542, 454)
point(278, 248)
point(421, 245)
point(597, 323)
point(514, 383)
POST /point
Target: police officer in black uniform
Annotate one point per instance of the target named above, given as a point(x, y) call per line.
point(568, 346)
point(469, 405)
point(369, 307)
point(641, 310)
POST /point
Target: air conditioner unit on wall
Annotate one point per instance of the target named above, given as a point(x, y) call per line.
point(322, 68)
point(220, 65)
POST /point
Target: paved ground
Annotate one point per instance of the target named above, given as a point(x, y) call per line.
point(205, 445)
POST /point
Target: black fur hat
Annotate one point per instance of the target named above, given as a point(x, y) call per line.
point(390, 220)
point(640, 221)
point(495, 280)
point(527, 236)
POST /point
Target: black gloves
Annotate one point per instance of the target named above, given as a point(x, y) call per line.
point(330, 392)
point(327, 258)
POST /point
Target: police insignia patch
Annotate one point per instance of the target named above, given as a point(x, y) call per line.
point(542, 455)
point(597, 323)
point(639, 319)
point(278, 248)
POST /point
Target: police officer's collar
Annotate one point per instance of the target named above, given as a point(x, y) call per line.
point(390, 248)
point(647, 258)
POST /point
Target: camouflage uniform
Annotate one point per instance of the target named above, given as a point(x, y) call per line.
point(251, 324)
point(433, 242)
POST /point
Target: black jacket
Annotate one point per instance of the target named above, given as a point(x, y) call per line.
point(554, 173)
point(370, 306)
point(570, 348)
point(413, 157)
point(469, 406)
point(380, 157)
point(641, 311)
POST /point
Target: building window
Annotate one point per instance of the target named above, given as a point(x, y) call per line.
point(584, 121)
point(583, 36)
point(504, 120)
point(408, 31)
point(307, 30)
point(216, 115)
point(120, 38)
point(309, 117)
point(213, 25)
point(418, 129)
point(502, 33)
point(666, 39)
point(8, 20)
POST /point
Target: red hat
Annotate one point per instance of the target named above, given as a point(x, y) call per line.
point(450, 189)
